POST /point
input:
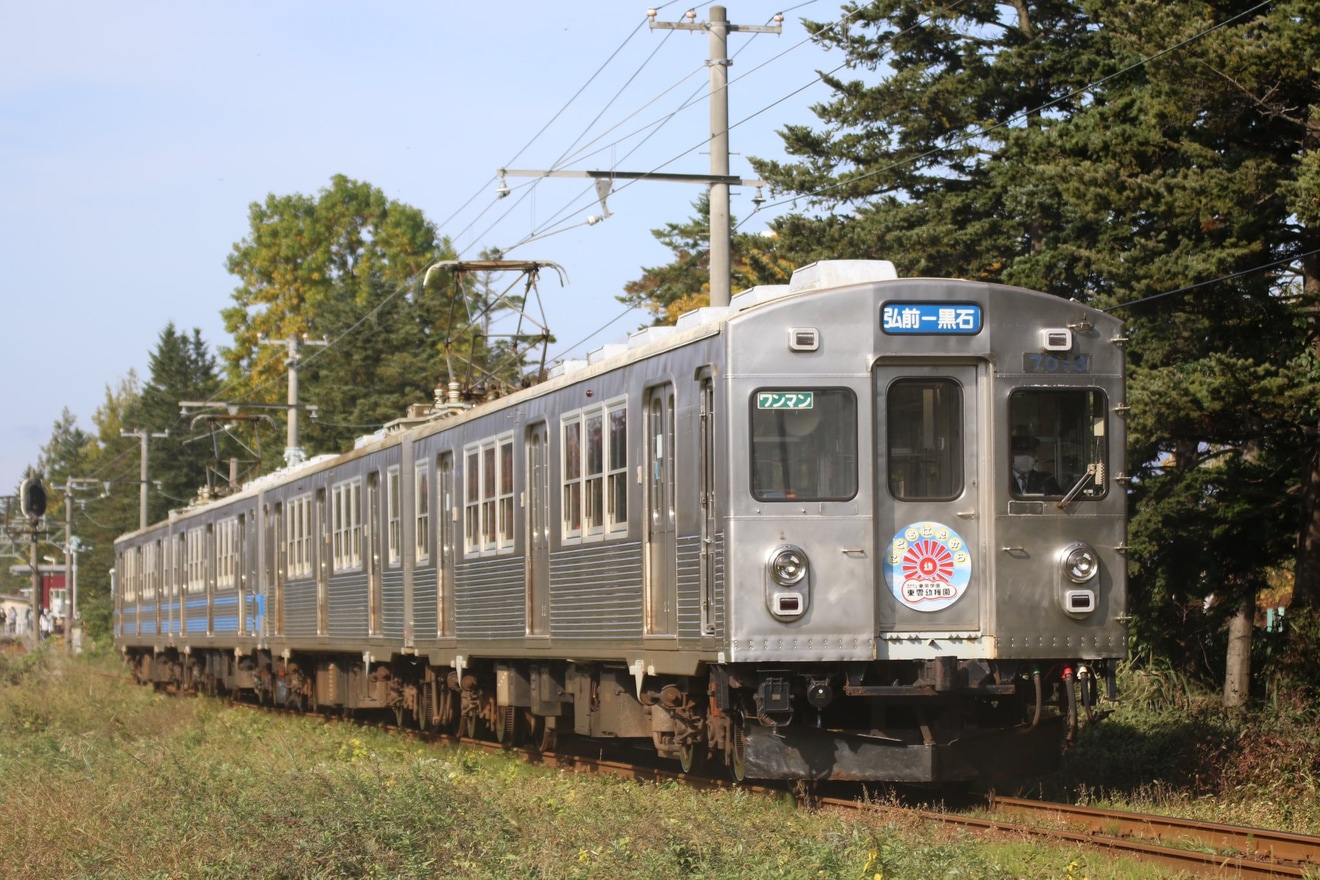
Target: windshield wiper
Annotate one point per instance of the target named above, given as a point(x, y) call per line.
point(1093, 470)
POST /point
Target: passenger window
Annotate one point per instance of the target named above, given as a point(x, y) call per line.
point(1058, 443)
point(804, 444)
point(925, 439)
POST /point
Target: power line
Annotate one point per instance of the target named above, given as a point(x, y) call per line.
point(1190, 287)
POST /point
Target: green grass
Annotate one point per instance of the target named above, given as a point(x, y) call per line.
point(100, 778)
point(1168, 749)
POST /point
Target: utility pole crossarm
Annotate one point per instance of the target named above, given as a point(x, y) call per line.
point(727, 179)
point(691, 25)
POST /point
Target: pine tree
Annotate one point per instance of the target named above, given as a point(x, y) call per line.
point(182, 369)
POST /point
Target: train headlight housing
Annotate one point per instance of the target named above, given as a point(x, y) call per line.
point(1079, 584)
point(788, 565)
point(1080, 563)
point(788, 585)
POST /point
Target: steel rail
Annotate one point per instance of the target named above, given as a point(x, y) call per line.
point(1197, 862)
point(1251, 843)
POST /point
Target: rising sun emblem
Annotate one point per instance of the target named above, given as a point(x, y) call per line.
point(928, 560)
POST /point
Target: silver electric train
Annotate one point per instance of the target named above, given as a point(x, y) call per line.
point(853, 527)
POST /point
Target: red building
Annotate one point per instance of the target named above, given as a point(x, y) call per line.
point(54, 592)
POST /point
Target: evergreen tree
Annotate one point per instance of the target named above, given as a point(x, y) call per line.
point(67, 452)
point(182, 369)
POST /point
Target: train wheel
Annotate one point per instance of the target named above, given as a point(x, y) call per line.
point(737, 750)
point(692, 756)
point(400, 714)
point(468, 726)
point(507, 729)
point(426, 697)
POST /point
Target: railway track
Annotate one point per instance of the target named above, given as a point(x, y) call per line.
point(1201, 848)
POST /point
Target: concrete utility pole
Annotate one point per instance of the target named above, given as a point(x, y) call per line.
point(145, 436)
point(293, 453)
point(719, 180)
point(719, 28)
point(71, 547)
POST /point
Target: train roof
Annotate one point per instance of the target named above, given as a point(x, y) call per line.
point(691, 326)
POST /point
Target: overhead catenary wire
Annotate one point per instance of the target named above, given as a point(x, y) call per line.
point(693, 99)
point(567, 154)
point(551, 121)
point(570, 154)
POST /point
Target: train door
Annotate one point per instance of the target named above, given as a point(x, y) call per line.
point(177, 588)
point(208, 575)
point(242, 623)
point(276, 550)
point(538, 530)
point(928, 497)
point(166, 603)
point(161, 597)
point(446, 513)
point(373, 554)
point(661, 524)
point(709, 526)
point(322, 561)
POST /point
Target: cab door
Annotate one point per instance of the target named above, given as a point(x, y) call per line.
point(928, 513)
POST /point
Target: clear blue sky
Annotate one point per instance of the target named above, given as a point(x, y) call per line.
point(134, 136)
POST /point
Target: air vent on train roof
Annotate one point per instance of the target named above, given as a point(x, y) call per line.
point(837, 273)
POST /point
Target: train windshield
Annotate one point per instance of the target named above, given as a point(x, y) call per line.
point(1058, 443)
point(804, 444)
point(925, 439)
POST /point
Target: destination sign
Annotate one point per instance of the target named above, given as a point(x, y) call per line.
point(785, 399)
point(930, 319)
point(1051, 363)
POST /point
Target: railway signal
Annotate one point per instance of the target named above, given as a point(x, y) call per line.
point(32, 498)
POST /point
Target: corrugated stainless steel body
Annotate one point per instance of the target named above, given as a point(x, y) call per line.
point(677, 580)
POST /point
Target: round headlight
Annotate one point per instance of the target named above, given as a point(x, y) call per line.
point(1080, 564)
point(788, 565)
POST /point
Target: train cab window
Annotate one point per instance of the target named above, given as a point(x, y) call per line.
point(1058, 443)
point(804, 444)
point(925, 439)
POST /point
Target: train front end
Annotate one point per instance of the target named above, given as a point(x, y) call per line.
point(925, 523)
